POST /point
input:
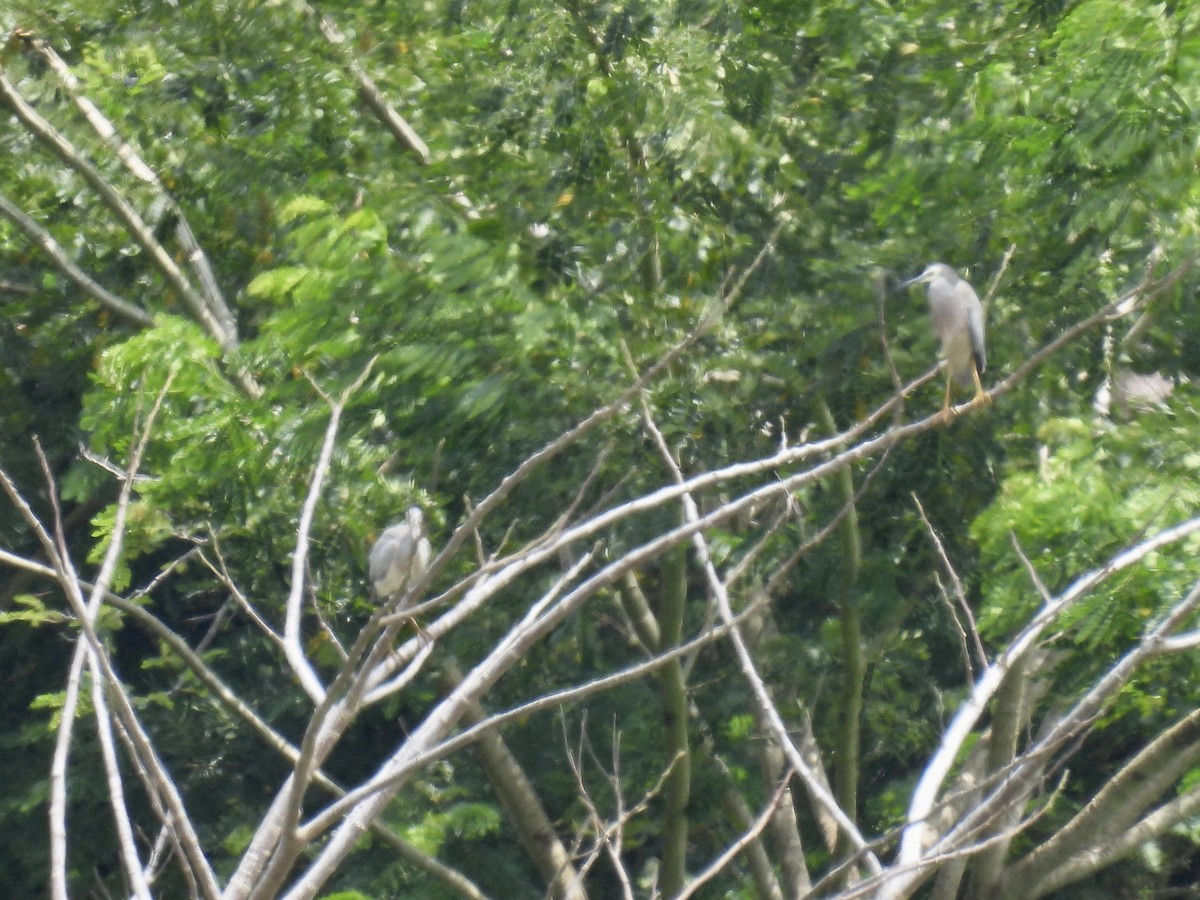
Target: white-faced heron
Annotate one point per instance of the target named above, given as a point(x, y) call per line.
point(958, 324)
point(399, 556)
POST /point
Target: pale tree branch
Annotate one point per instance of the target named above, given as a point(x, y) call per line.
point(453, 879)
point(757, 859)
point(608, 835)
point(100, 123)
point(405, 135)
point(86, 657)
point(378, 689)
point(810, 752)
point(1180, 643)
point(940, 861)
point(1111, 812)
point(221, 573)
point(916, 840)
point(1027, 768)
point(266, 861)
point(916, 836)
point(133, 869)
point(1098, 855)
point(292, 639)
point(731, 852)
point(159, 779)
point(224, 696)
point(365, 791)
point(609, 838)
point(276, 842)
point(673, 693)
point(58, 776)
point(43, 239)
point(521, 802)
point(959, 594)
point(141, 233)
point(1011, 712)
point(569, 695)
point(762, 697)
point(1128, 303)
point(994, 284)
point(543, 616)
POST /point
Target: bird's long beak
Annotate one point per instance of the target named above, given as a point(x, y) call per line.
point(902, 285)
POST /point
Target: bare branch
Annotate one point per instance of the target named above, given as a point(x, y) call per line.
point(137, 228)
point(87, 654)
point(222, 575)
point(1115, 806)
point(521, 802)
point(881, 314)
point(762, 698)
point(160, 780)
point(404, 133)
point(731, 852)
point(1181, 643)
point(995, 282)
point(58, 777)
point(959, 593)
point(66, 265)
point(196, 257)
point(292, 642)
point(1097, 856)
point(609, 836)
point(917, 835)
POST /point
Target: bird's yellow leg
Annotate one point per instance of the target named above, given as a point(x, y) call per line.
point(981, 396)
point(945, 413)
point(424, 636)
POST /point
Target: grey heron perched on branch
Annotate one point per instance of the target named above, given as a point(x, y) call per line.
point(958, 324)
point(399, 556)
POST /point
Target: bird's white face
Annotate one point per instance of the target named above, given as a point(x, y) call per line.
point(932, 271)
point(415, 518)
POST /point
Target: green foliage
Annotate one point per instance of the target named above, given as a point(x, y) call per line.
point(598, 174)
point(1098, 490)
point(32, 612)
point(1094, 493)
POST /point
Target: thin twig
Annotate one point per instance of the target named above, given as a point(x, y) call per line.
point(102, 295)
point(995, 282)
point(404, 133)
point(751, 834)
point(959, 593)
point(193, 252)
point(770, 714)
point(292, 642)
point(142, 234)
point(222, 574)
point(1034, 577)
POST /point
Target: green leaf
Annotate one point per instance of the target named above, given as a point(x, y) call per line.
point(301, 206)
point(275, 284)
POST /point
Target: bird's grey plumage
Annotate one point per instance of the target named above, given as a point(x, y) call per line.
point(400, 555)
point(957, 322)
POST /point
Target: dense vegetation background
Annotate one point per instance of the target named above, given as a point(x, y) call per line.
point(488, 219)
